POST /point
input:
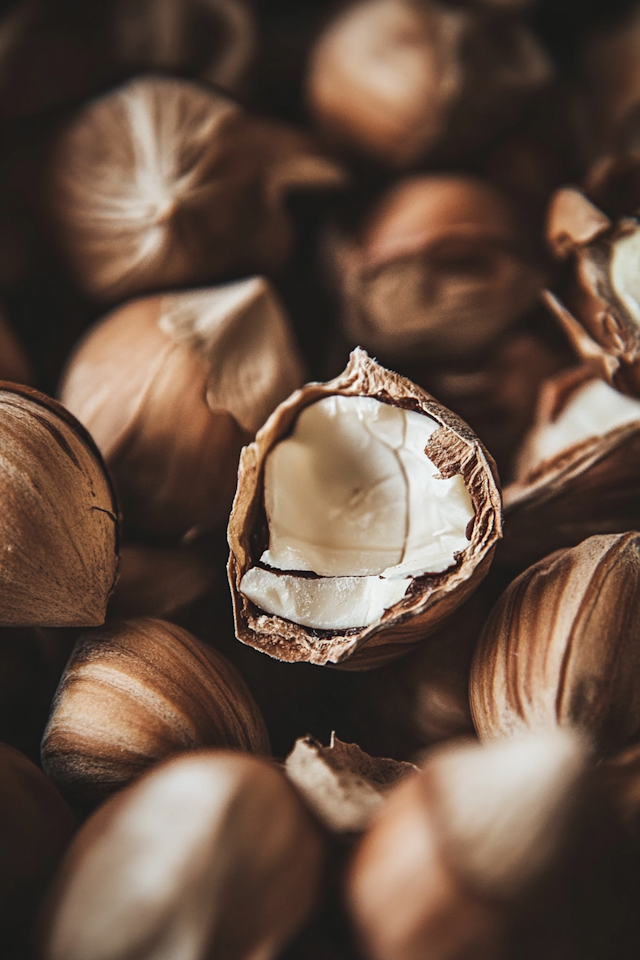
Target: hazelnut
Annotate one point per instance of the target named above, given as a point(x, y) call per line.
point(459, 845)
point(560, 648)
point(365, 513)
point(35, 828)
point(210, 854)
point(401, 80)
point(576, 471)
point(164, 183)
point(14, 365)
point(134, 693)
point(59, 551)
point(172, 386)
point(441, 268)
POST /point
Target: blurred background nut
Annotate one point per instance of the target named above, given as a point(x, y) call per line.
point(440, 268)
point(164, 183)
point(401, 81)
point(379, 511)
point(171, 387)
point(231, 861)
point(561, 648)
point(14, 364)
point(459, 845)
point(134, 693)
point(36, 826)
point(59, 542)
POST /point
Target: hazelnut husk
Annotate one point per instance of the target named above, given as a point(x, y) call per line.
point(402, 81)
point(171, 387)
point(440, 268)
point(134, 693)
point(231, 860)
point(576, 470)
point(165, 183)
point(560, 648)
point(342, 784)
point(60, 517)
point(36, 827)
point(430, 598)
point(458, 847)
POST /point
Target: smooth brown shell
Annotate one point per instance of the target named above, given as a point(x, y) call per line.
point(136, 692)
point(231, 858)
point(59, 543)
point(561, 647)
point(432, 597)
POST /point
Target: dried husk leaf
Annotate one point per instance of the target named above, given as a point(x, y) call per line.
point(231, 859)
point(587, 489)
point(171, 387)
point(457, 848)
point(342, 784)
point(136, 692)
point(60, 535)
point(36, 826)
point(432, 597)
point(560, 648)
point(440, 268)
point(14, 365)
point(164, 183)
point(398, 81)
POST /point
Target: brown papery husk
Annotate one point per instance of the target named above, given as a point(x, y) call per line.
point(453, 448)
point(60, 516)
point(589, 488)
point(135, 693)
point(560, 648)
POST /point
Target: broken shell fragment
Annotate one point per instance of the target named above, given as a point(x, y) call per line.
point(59, 546)
point(342, 784)
point(400, 81)
point(440, 268)
point(172, 386)
point(135, 693)
point(561, 648)
point(457, 847)
point(365, 513)
point(211, 854)
point(576, 471)
point(164, 183)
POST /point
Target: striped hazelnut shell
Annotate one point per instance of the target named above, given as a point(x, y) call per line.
point(136, 692)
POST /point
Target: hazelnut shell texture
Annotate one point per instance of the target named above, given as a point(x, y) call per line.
point(164, 182)
point(561, 648)
point(453, 448)
point(60, 517)
point(136, 692)
point(232, 862)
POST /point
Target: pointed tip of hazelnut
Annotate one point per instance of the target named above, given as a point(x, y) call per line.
point(504, 806)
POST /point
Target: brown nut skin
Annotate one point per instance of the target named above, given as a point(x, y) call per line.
point(431, 597)
point(164, 183)
point(400, 81)
point(561, 648)
point(134, 693)
point(441, 268)
point(171, 387)
point(212, 853)
point(36, 826)
point(462, 843)
point(59, 552)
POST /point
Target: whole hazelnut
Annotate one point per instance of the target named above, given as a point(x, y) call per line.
point(134, 693)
